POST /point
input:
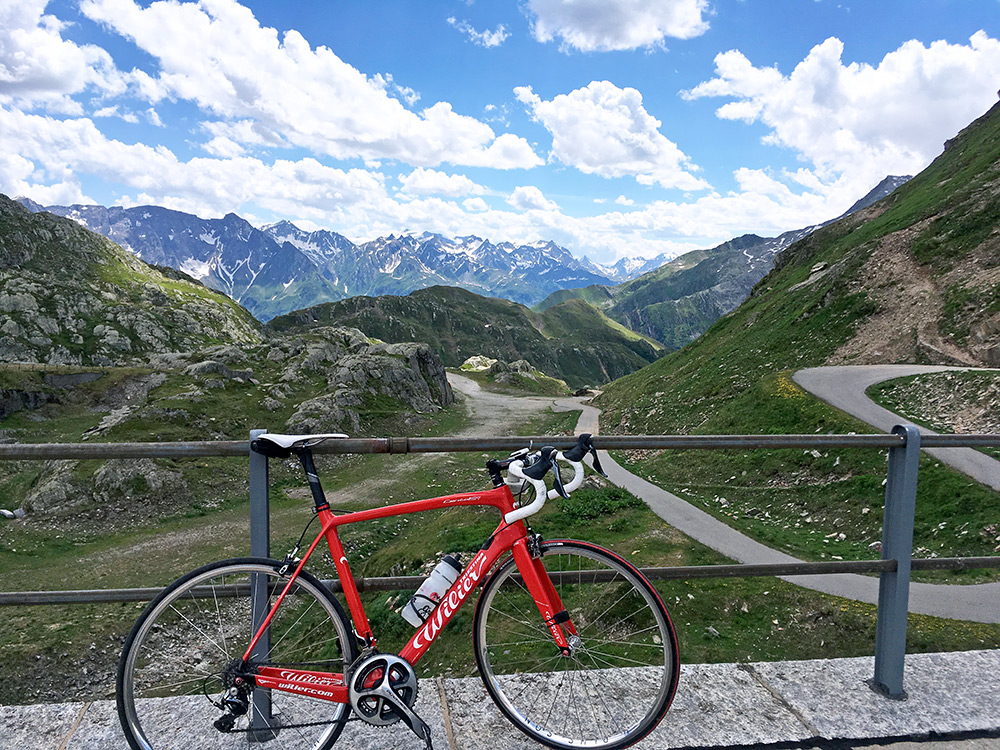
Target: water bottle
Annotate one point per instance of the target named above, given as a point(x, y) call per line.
point(423, 602)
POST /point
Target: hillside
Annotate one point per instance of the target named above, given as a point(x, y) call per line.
point(677, 301)
point(97, 345)
point(69, 296)
point(912, 278)
point(573, 341)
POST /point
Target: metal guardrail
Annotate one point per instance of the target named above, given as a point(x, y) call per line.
point(904, 444)
point(232, 448)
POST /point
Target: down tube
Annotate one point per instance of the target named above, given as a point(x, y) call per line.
point(473, 575)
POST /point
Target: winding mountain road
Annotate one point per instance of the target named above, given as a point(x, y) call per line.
point(979, 602)
point(844, 388)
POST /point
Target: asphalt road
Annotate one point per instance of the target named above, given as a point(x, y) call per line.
point(978, 603)
point(844, 388)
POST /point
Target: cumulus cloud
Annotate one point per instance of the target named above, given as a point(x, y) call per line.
point(605, 130)
point(38, 68)
point(55, 150)
point(216, 54)
point(485, 38)
point(475, 205)
point(886, 119)
point(599, 25)
point(423, 181)
point(530, 198)
point(52, 152)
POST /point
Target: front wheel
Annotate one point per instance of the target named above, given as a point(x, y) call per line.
point(617, 682)
point(180, 673)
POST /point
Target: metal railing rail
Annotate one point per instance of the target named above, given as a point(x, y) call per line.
point(904, 445)
point(406, 583)
point(238, 448)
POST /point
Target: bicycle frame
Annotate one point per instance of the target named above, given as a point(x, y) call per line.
point(506, 538)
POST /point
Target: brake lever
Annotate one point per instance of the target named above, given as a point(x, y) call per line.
point(541, 465)
point(585, 445)
point(597, 461)
point(557, 481)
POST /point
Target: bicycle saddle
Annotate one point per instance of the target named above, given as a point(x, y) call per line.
point(276, 445)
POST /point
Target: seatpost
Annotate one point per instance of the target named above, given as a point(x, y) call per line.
point(306, 459)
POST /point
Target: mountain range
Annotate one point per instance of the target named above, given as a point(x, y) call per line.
point(280, 267)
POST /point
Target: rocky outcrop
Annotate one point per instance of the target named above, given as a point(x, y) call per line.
point(135, 485)
point(69, 296)
point(422, 359)
point(13, 401)
point(361, 376)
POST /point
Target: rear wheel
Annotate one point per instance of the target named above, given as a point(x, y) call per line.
point(620, 677)
point(182, 662)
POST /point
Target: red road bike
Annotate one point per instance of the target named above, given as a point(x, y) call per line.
point(573, 644)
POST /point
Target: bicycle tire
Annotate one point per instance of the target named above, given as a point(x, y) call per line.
point(173, 662)
point(619, 682)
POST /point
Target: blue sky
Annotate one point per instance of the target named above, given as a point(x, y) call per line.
point(614, 127)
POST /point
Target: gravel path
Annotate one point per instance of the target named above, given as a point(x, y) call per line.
point(494, 413)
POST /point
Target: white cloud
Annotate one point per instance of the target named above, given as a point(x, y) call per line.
point(216, 54)
point(475, 205)
point(872, 121)
point(432, 182)
point(38, 68)
point(599, 25)
point(355, 202)
point(115, 111)
point(530, 198)
point(621, 200)
point(386, 82)
point(605, 130)
point(59, 150)
point(485, 38)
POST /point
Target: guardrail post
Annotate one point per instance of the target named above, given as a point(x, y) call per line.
point(897, 544)
point(260, 546)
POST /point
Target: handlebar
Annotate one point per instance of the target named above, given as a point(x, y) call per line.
point(546, 459)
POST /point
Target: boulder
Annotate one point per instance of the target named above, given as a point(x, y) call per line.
point(477, 363)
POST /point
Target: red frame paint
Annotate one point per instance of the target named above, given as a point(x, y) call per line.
point(511, 538)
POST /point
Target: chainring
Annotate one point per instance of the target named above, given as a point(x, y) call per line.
point(371, 678)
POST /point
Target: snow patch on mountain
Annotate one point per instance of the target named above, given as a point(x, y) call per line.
point(196, 268)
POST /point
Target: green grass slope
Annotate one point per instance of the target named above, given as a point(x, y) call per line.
point(599, 295)
point(573, 341)
point(678, 301)
point(830, 298)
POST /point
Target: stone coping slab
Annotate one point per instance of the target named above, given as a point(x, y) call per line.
point(946, 693)
point(717, 705)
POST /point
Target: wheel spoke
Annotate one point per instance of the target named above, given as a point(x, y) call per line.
point(184, 649)
point(594, 698)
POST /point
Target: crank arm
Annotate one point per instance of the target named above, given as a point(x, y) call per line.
point(417, 725)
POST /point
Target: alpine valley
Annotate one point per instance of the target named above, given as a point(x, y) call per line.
point(98, 345)
point(280, 268)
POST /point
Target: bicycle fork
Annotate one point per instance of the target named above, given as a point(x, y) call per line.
point(546, 598)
